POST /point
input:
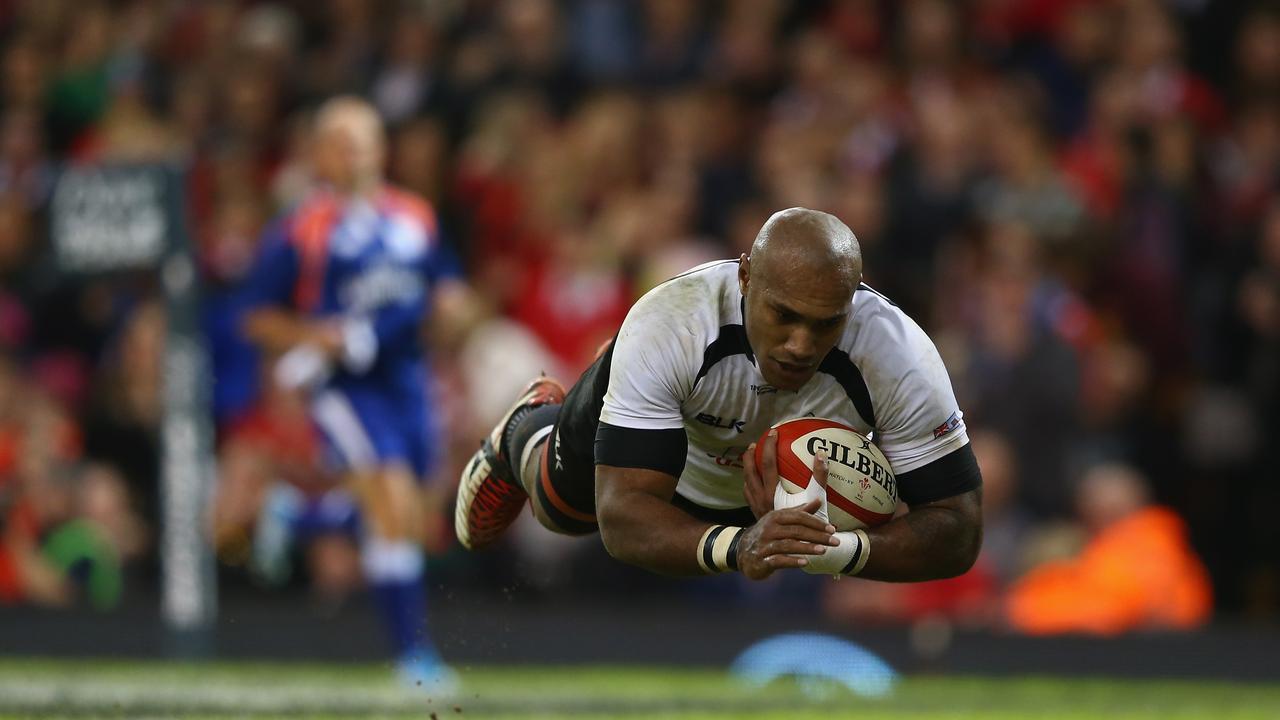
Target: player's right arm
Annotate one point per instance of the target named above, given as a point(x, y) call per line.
point(270, 321)
point(277, 330)
point(640, 526)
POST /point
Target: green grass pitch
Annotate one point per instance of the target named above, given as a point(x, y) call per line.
point(82, 689)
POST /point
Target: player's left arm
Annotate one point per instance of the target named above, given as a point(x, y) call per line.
point(934, 539)
point(939, 537)
point(920, 429)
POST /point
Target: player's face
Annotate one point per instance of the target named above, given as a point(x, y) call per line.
point(335, 156)
point(792, 322)
point(347, 155)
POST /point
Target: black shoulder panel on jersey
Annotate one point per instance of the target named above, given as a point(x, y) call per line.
point(952, 474)
point(731, 341)
point(838, 365)
point(661, 450)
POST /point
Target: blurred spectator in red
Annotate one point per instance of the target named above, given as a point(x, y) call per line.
point(490, 161)
point(66, 530)
point(1097, 159)
point(1136, 572)
point(573, 301)
point(1151, 55)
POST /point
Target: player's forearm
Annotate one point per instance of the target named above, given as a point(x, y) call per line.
point(643, 530)
point(278, 331)
point(275, 330)
point(931, 542)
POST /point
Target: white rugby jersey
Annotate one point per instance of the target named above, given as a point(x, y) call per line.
point(681, 360)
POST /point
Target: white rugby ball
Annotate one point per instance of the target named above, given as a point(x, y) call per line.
point(861, 488)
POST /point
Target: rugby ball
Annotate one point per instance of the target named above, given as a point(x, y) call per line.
point(861, 488)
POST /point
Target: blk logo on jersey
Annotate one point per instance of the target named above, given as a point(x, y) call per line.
point(719, 422)
point(763, 389)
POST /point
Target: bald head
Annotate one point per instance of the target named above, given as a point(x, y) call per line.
point(797, 287)
point(350, 144)
point(807, 243)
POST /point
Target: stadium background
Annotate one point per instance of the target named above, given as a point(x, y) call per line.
point(1079, 199)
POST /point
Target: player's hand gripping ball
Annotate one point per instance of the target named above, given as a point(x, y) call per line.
point(861, 489)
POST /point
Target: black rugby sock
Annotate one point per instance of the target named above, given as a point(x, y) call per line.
point(524, 425)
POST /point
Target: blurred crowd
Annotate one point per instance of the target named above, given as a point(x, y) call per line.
point(1078, 199)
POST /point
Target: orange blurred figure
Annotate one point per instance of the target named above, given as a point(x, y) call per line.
point(1137, 571)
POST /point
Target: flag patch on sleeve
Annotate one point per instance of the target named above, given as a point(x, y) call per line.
point(953, 422)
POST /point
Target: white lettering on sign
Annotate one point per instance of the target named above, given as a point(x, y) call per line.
point(108, 220)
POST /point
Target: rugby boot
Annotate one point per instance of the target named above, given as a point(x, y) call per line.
point(490, 496)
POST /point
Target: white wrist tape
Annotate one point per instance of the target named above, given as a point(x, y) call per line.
point(718, 548)
point(359, 345)
point(848, 558)
point(303, 366)
point(813, 491)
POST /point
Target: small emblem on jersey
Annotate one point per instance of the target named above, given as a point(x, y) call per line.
point(719, 422)
point(405, 240)
point(763, 389)
point(731, 457)
point(953, 422)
